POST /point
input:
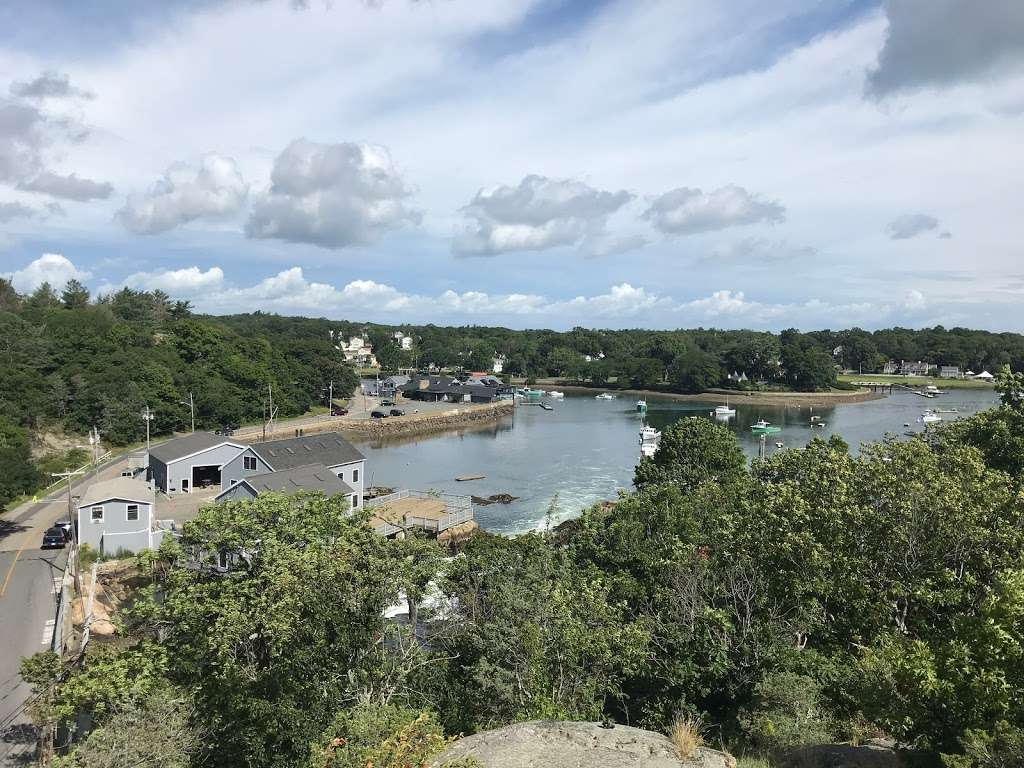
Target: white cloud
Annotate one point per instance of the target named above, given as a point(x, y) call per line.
point(942, 42)
point(332, 195)
point(537, 214)
point(758, 251)
point(186, 282)
point(910, 225)
point(688, 211)
point(51, 268)
point(215, 190)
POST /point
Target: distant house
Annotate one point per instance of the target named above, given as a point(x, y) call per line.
point(498, 364)
point(891, 368)
point(392, 384)
point(474, 389)
point(202, 460)
point(403, 341)
point(312, 477)
point(117, 516)
point(950, 372)
point(918, 368)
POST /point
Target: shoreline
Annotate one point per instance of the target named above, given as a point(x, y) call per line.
point(798, 399)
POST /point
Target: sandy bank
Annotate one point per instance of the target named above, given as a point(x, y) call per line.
point(782, 399)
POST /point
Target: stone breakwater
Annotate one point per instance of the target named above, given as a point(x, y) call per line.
point(461, 415)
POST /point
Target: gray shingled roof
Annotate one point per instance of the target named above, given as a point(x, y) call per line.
point(187, 445)
point(313, 477)
point(327, 448)
point(127, 488)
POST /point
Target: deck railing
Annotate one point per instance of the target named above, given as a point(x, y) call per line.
point(459, 509)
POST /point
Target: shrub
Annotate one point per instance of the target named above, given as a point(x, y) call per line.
point(787, 713)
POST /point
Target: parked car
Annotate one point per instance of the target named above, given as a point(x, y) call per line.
point(225, 431)
point(397, 412)
point(387, 402)
point(339, 411)
point(378, 414)
point(66, 527)
point(53, 539)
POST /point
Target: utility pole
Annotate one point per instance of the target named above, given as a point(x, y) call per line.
point(148, 416)
point(192, 410)
point(94, 441)
point(66, 476)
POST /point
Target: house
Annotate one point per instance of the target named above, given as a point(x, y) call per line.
point(312, 477)
point(404, 342)
point(498, 364)
point(950, 372)
point(202, 460)
point(359, 351)
point(474, 389)
point(117, 516)
point(391, 385)
point(329, 449)
point(915, 369)
point(891, 368)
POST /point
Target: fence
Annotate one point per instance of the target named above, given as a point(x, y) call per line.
point(458, 510)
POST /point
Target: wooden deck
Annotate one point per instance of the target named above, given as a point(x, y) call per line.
point(417, 509)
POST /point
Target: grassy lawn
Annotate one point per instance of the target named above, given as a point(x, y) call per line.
point(916, 381)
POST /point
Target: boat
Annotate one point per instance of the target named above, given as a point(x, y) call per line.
point(931, 389)
point(641, 406)
point(532, 394)
point(779, 444)
point(605, 396)
point(724, 411)
point(760, 424)
point(922, 393)
point(556, 395)
point(649, 440)
point(930, 417)
point(546, 407)
point(817, 423)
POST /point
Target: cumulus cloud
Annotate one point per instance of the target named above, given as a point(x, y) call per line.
point(52, 268)
point(70, 187)
point(942, 42)
point(911, 225)
point(689, 211)
point(537, 214)
point(26, 136)
point(332, 195)
point(49, 85)
point(186, 282)
point(214, 190)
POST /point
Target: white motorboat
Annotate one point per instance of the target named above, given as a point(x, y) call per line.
point(931, 389)
point(724, 411)
point(760, 424)
point(555, 395)
point(649, 434)
point(605, 396)
point(929, 417)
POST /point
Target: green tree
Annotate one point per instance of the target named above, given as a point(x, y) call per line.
point(75, 295)
point(695, 371)
point(693, 451)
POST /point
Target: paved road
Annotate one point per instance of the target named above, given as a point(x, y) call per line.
point(28, 604)
point(29, 587)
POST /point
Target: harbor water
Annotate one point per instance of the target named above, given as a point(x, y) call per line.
point(583, 451)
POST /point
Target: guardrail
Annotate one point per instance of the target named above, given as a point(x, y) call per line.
point(459, 509)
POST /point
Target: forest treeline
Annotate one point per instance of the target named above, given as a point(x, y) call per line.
point(811, 597)
point(73, 362)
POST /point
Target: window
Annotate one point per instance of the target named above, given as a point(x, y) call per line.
point(222, 560)
point(355, 475)
point(133, 512)
point(249, 462)
point(355, 501)
point(96, 514)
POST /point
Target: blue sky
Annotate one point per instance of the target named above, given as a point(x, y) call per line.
point(640, 163)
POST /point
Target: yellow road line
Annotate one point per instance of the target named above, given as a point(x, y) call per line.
point(10, 570)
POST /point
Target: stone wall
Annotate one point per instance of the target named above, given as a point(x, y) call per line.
point(435, 421)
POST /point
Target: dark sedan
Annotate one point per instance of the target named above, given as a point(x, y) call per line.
point(397, 412)
point(53, 539)
point(378, 414)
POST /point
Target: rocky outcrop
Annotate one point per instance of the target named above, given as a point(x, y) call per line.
point(558, 744)
point(874, 754)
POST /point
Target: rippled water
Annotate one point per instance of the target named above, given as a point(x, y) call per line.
point(585, 449)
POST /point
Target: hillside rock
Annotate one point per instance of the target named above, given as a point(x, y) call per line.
point(870, 755)
point(558, 744)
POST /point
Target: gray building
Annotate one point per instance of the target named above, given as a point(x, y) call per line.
point(202, 460)
point(326, 448)
point(313, 477)
point(117, 516)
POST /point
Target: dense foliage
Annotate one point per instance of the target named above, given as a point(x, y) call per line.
point(812, 596)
